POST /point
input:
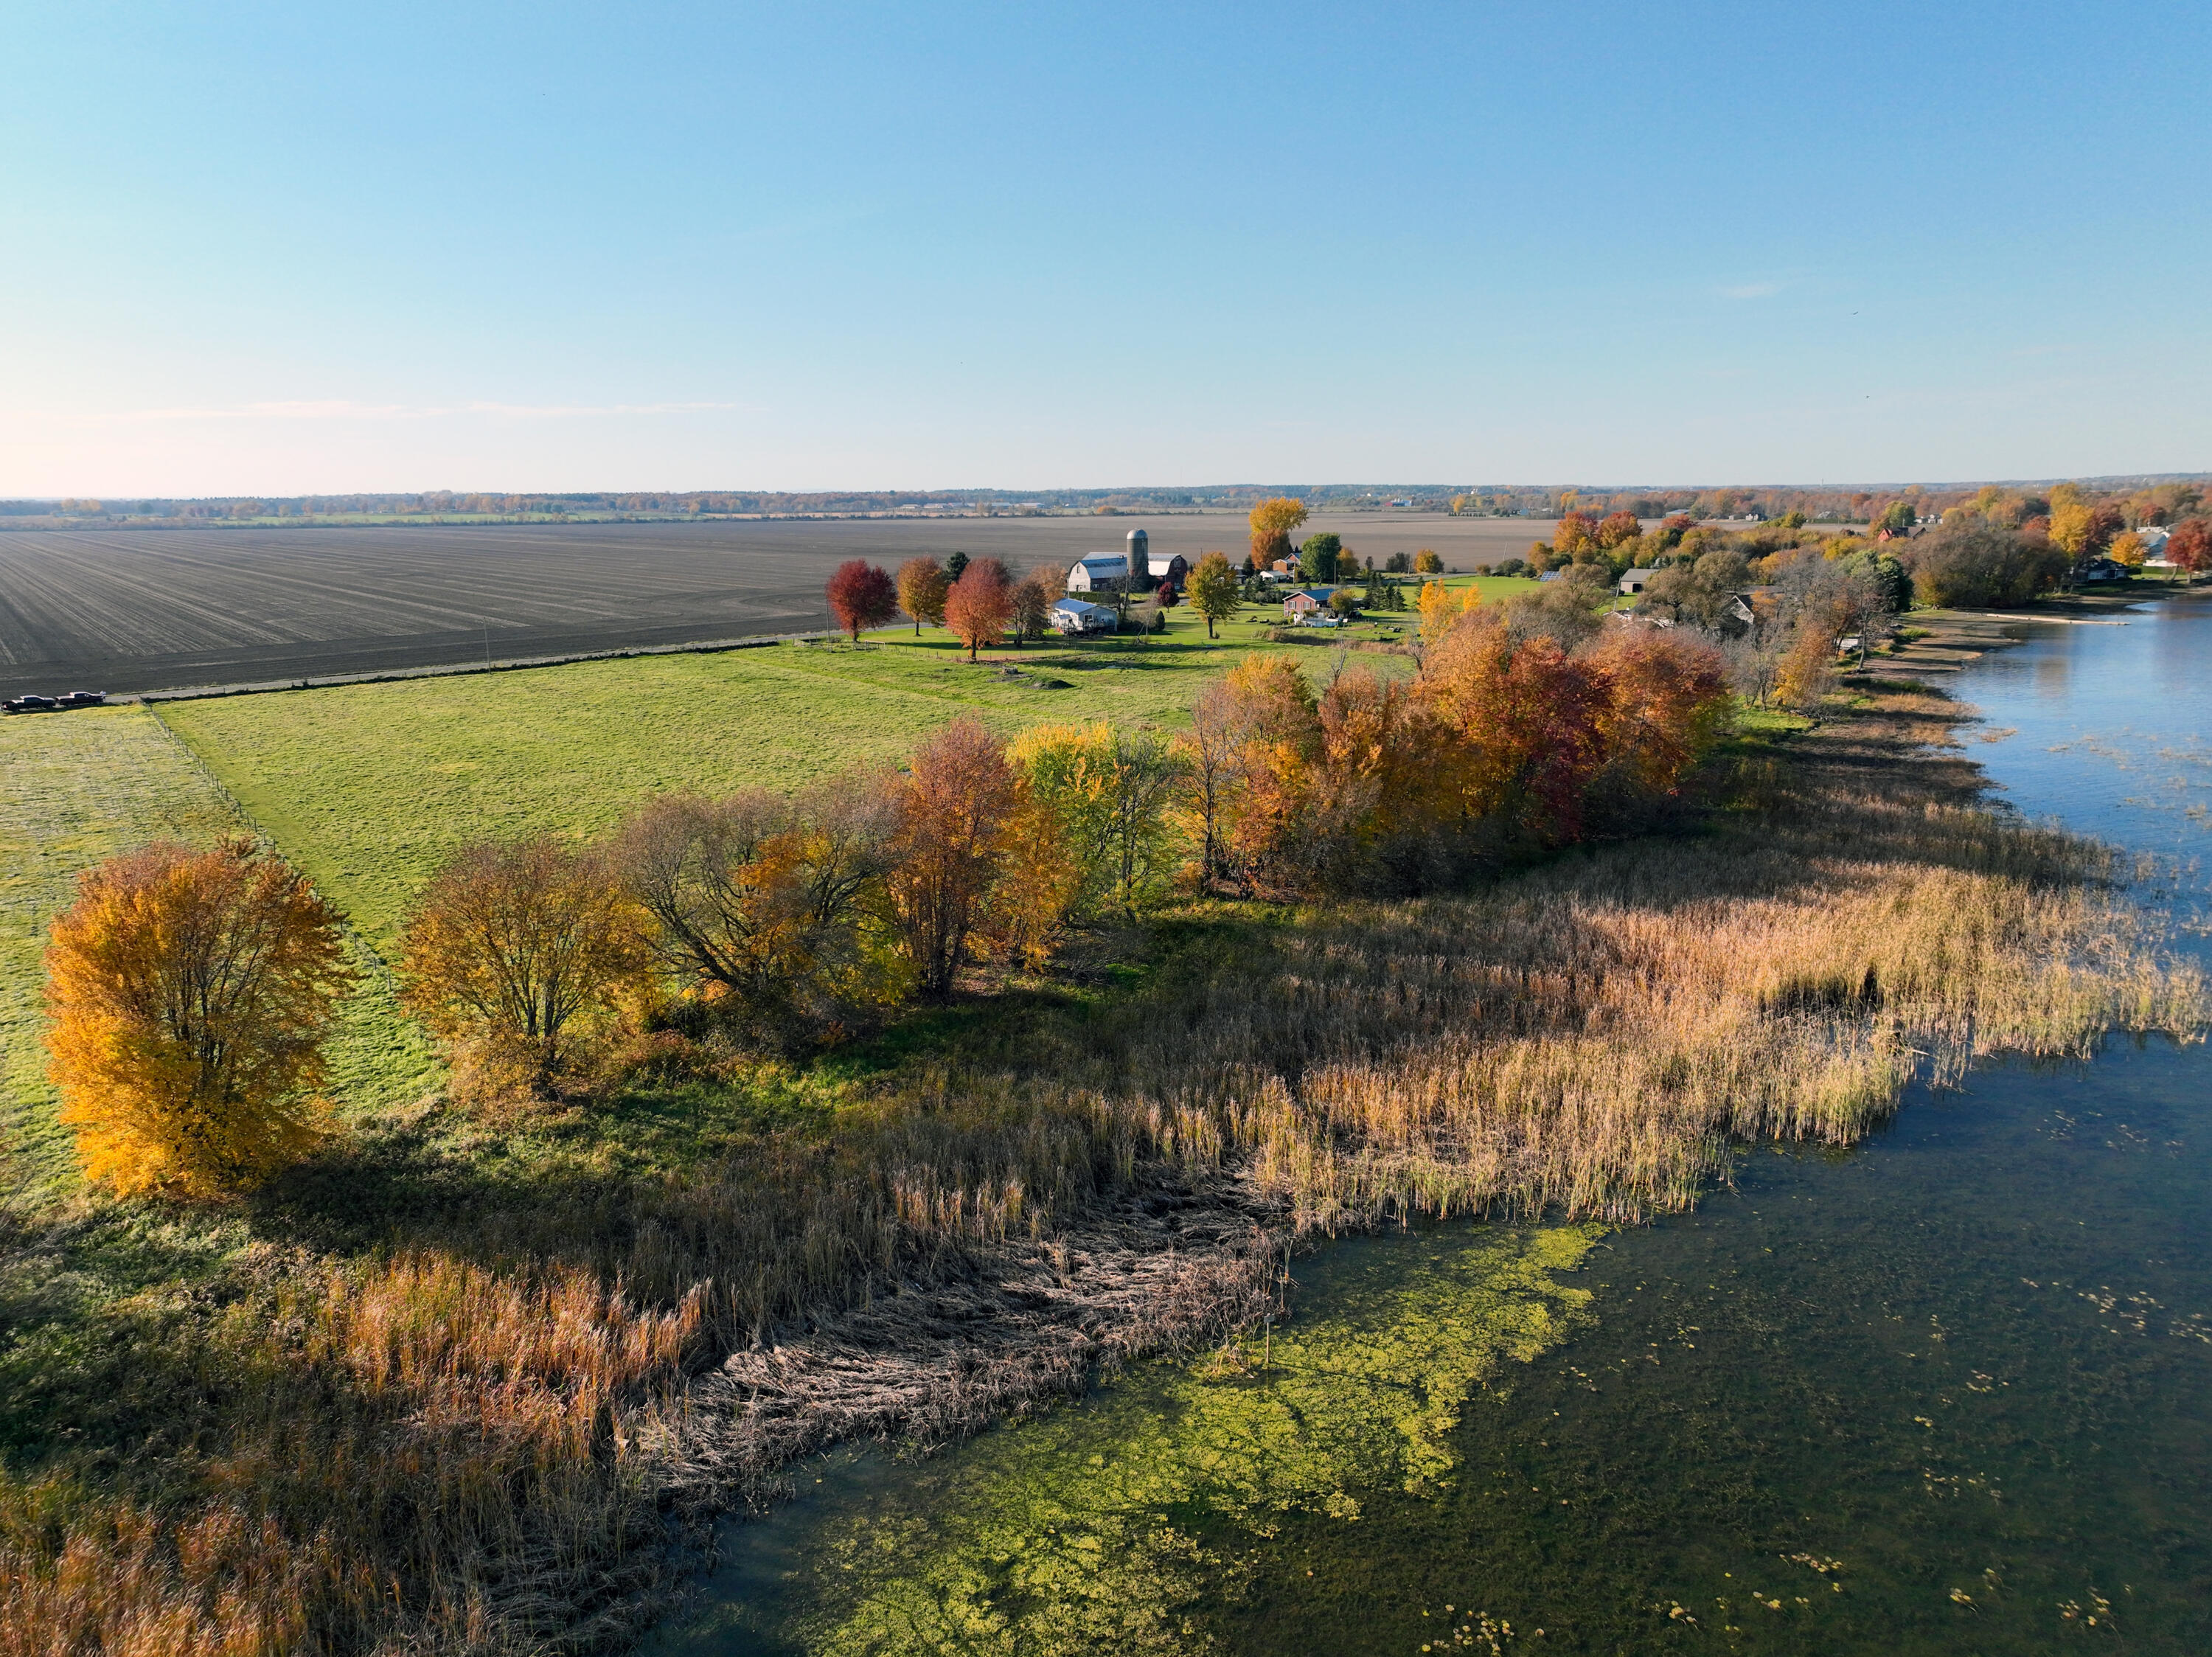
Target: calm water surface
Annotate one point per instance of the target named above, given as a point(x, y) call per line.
point(1950, 1392)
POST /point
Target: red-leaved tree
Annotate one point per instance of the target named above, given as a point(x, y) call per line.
point(980, 605)
point(861, 594)
point(2189, 547)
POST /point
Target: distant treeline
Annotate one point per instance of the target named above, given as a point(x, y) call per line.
point(2141, 500)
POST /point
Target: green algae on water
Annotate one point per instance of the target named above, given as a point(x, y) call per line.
point(1103, 1526)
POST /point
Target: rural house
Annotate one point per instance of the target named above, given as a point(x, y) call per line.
point(1311, 601)
point(1077, 616)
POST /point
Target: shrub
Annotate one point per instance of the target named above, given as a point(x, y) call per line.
point(512, 950)
point(190, 993)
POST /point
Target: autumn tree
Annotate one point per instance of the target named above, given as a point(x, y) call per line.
point(980, 605)
point(1267, 714)
point(1053, 578)
point(758, 903)
point(1426, 563)
point(1617, 527)
point(1214, 590)
point(1032, 610)
point(862, 594)
point(511, 948)
point(190, 993)
point(1667, 700)
point(922, 584)
point(2189, 547)
point(1575, 533)
point(2129, 551)
point(1522, 717)
point(1272, 522)
point(953, 808)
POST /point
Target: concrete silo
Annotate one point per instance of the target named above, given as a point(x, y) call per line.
point(1141, 559)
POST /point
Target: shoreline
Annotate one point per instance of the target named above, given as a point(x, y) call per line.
point(895, 1375)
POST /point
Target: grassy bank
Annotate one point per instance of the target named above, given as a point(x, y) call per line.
point(439, 1388)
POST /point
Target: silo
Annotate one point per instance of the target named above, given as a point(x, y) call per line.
point(1141, 559)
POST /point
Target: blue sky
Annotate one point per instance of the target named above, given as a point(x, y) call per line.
point(288, 249)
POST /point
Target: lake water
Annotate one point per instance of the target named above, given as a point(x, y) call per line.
point(1948, 1391)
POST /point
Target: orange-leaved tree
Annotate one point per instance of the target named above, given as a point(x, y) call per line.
point(1266, 722)
point(1617, 527)
point(980, 605)
point(190, 993)
point(515, 946)
point(1272, 522)
point(861, 594)
point(953, 806)
point(1575, 532)
point(922, 584)
point(1523, 719)
point(1667, 700)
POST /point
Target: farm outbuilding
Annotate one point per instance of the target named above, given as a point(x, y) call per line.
point(1076, 616)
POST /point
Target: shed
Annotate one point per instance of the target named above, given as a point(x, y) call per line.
point(1636, 581)
point(1077, 616)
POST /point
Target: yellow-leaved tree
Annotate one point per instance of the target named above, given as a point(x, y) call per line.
point(512, 948)
point(191, 992)
point(1273, 521)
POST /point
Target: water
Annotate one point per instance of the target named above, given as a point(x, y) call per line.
point(1947, 1392)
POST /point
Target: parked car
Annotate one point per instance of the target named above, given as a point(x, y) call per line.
point(85, 699)
point(34, 704)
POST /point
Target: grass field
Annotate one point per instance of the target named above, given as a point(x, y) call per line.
point(370, 787)
point(80, 786)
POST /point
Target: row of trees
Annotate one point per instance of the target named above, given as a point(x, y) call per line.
point(191, 991)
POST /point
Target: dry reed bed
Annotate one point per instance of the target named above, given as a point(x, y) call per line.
point(471, 1445)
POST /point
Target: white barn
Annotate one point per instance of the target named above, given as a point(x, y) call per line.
point(1076, 616)
point(1108, 572)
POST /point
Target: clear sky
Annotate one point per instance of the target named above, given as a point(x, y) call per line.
point(290, 247)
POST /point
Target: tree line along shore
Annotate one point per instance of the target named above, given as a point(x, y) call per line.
point(924, 1091)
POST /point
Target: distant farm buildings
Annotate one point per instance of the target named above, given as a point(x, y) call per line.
point(1134, 571)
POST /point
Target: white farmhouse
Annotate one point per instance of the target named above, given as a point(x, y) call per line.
point(1076, 616)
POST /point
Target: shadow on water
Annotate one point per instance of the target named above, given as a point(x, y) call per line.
point(1951, 1392)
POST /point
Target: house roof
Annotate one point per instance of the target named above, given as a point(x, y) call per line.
point(1077, 606)
point(1633, 574)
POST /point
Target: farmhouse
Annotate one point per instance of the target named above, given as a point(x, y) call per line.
point(1310, 602)
point(1076, 616)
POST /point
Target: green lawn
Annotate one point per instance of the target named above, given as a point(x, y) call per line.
point(370, 787)
point(74, 789)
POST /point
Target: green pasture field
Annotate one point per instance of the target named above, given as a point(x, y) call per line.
point(77, 788)
point(369, 788)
